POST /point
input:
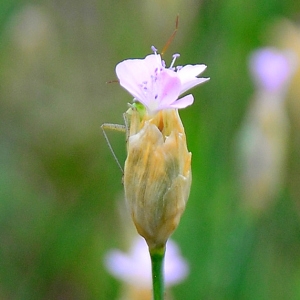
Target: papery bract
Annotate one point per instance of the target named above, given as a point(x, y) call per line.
point(157, 174)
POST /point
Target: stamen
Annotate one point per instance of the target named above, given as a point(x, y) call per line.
point(174, 58)
point(157, 57)
point(154, 50)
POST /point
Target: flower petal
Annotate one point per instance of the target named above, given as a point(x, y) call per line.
point(169, 86)
point(192, 83)
point(272, 68)
point(118, 264)
point(188, 76)
point(183, 102)
point(190, 71)
point(129, 79)
point(133, 73)
point(176, 267)
point(135, 267)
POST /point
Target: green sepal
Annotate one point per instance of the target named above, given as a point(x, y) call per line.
point(137, 106)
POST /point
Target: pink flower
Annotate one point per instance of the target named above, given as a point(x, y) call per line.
point(134, 268)
point(272, 68)
point(158, 87)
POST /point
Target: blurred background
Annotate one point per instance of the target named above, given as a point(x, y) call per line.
point(60, 189)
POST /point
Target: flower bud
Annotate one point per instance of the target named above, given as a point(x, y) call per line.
point(157, 174)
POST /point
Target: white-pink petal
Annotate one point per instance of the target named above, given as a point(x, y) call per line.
point(188, 76)
point(131, 74)
point(190, 71)
point(183, 102)
point(188, 85)
point(168, 90)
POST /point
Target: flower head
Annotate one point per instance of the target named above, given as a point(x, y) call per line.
point(158, 87)
point(271, 68)
point(157, 172)
point(134, 268)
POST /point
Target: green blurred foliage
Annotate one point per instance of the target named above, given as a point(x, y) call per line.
point(59, 184)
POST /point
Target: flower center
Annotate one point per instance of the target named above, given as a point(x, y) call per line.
point(152, 88)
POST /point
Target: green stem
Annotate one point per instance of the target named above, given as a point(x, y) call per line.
point(157, 260)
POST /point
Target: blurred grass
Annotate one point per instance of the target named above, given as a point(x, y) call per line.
point(59, 184)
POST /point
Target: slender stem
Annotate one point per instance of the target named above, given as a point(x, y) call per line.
point(157, 260)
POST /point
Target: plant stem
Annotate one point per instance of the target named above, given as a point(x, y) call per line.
point(157, 260)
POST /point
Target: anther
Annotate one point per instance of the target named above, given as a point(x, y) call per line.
point(154, 50)
point(174, 58)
